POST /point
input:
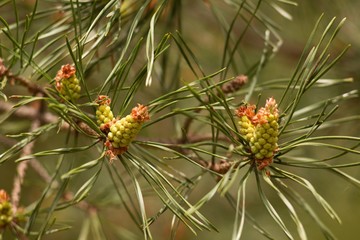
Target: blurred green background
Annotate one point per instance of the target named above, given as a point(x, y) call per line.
point(206, 37)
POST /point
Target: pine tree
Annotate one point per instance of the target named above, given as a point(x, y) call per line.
point(129, 119)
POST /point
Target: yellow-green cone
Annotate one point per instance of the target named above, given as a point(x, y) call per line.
point(264, 142)
point(123, 131)
point(260, 130)
point(67, 83)
point(104, 115)
point(6, 213)
point(245, 113)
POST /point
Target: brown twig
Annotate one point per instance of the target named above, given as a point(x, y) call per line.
point(45, 117)
point(31, 86)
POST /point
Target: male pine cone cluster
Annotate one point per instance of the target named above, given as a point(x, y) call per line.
point(6, 213)
point(124, 130)
point(120, 132)
point(67, 83)
point(104, 115)
point(260, 130)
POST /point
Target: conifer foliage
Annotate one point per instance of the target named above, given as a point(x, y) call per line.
point(130, 119)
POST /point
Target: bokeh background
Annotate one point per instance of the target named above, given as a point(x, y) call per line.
point(205, 36)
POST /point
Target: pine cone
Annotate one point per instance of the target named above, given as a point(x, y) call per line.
point(260, 130)
point(246, 113)
point(123, 131)
point(104, 115)
point(264, 142)
point(67, 83)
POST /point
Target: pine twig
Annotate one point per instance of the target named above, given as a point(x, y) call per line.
point(31, 86)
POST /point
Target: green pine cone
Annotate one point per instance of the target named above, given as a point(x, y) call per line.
point(70, 88)
point(6, 215)
point(123, 131)
point(67, 83)
point(264, 142)
point(246, 128)
point(260, 129)
point(104, 115)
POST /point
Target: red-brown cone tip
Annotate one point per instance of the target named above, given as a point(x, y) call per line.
point(66, 71)
point(4, 197)
point(140, 113)
point(103, 100)
point(248, 111)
